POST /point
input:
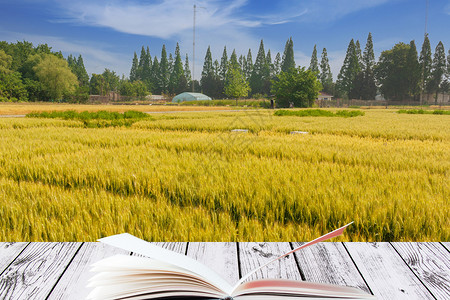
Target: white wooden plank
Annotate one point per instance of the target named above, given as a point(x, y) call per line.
point(253, 255)
point(8, 252)
point(431, 263)
point(35, 271)
point(73, 283)
point(385, 272)
point(329, 263)
point(446, 245)
point(220, 257)
point(179, 247)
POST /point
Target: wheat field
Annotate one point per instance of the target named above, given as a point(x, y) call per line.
point(187, 177)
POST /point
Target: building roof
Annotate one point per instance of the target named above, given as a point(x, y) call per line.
point(189, 96)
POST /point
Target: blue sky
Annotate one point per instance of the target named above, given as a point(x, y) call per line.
point(106, 33)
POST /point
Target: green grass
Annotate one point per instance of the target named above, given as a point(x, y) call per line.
point(98, 119)
point(423, 112)
point(320, 113)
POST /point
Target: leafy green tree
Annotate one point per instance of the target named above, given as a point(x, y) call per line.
point(298, 87)
point(111, 81)
point(314, 63)
point(177, 82)
point(425, 64)
point(326, 78)
point(56, 77)
point(134, 72)
point(97, 85)
point(236, 85)
point(393, 72)
point(11, 86)
point(288, 61)
point(438, 70)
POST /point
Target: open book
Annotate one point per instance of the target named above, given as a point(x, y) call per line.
point(164, 274)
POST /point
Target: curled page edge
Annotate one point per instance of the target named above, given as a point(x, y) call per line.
point(133, 244)
point(325, 237)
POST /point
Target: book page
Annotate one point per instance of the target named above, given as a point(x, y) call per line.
point(133, 244)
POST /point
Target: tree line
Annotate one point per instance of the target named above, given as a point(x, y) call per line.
point(29, 73)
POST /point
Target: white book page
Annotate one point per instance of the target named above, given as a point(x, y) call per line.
point(133, 244)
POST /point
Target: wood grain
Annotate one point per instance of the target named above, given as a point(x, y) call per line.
point(385, 272)
point(35, 271)
point(446, 245)
point(431, 263)
point(329, 263)
point(220, 257)
point(8, 252)
point(73, 283)
point(253, 255)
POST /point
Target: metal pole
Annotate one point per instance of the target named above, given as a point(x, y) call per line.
point(193, 53)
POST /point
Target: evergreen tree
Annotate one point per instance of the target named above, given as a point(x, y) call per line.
point(210, 84)
point(164, 71)
point(142, 61)
point(156, 76)
point(170, 64)
point(234, 64)
point(260, 78)
point(187, 72)
point(365, 81)
point(438, 70)
point(425, 64)
point(270, 64)
point(277, 64)
point(413, 71)
point(82, 75)
point(358, 52)
point(314, 64)
point(134, 68)
point(242, 64)
point(288, 61)
point(177, 82)
point(348, 72)
point(223, 64)
point(326, 78)
point(249, 68)
point(216, 67)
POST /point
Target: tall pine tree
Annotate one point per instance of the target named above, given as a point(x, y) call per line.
point(164, 71)
point(249, 68)
point(438, 70)
point(348, 72)
point(187, 72)
point(223, 64)
point(134, 68)
point(288, 61)
point(156, 76)
point(366, 78)
point(177, 81)
point(413, 71)
point(260, 78)
point(142, 62)
point(314, 63)
point(277, 64)
point(208, 81)
point(326, 78)
point(425, 62)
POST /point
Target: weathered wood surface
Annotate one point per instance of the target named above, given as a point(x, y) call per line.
point(329, 263)
point(8, 252)
point(220, 257)
point(446, 245)
point(34, 272)
point(253, 255)
point(430, 263)
point(385, 272)
point(388, 270)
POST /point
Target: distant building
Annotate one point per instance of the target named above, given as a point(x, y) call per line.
point(188, 96)
point(324, 96)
